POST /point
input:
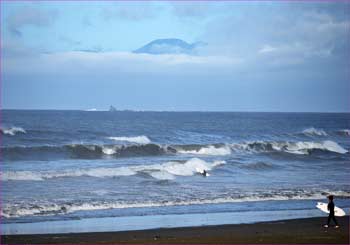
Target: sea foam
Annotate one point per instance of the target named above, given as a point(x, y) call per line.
point(12, 130)
point(137, 139)
point(168, 170)
point(209, 150)
point(46, 209)
point(300, 147)
point(314, 132)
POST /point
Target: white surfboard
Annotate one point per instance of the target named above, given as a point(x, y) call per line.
point(323, 207)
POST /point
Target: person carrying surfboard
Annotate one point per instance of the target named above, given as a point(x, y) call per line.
point(331, 212)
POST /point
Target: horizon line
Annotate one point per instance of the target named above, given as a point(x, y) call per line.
point(146, 110)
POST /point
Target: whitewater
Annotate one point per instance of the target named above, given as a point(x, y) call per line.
point(73, 165)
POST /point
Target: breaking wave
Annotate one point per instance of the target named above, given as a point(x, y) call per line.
point(303, 148)
point(165, 171)
point(206, 150)
point(47, 209)
point(137, 139)
point(82, 151)
point(314, 132)
point(12, 130)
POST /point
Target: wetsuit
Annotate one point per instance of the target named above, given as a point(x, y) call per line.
point(331, 213)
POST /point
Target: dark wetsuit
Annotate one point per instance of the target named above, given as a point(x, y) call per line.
point(331, 213)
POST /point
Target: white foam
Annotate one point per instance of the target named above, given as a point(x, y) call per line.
point(20, 175)
point(13, 130)
point(190, 167)
point(95, 172)
point(301, 147)
point(314, 131)
point(209, 150)
point(163, 171)
point(137, 139)
point(162, 175)
point(9, 211)
point(108, 150)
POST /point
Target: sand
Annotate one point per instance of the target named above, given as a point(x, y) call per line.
point(308, 230)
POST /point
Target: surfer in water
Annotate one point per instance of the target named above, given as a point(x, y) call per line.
point(331, 212)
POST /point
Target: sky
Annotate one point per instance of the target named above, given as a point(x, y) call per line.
point(258, 56)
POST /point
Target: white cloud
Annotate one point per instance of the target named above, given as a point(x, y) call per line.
point(127, 11)
point(267, 49)
point(119, 62)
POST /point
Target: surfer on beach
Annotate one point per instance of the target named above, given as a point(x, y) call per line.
point(331, 212)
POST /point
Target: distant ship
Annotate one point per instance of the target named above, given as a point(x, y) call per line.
point(112, 109)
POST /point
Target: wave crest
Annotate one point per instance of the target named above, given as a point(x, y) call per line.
point(303, 148)
point(9, 211)
point(314, 132)
point(137, 139)
point(206, 150)
point(82, 151)
point(12, 130)
point(168, 170)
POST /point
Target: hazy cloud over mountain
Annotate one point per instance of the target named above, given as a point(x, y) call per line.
point(240, 54)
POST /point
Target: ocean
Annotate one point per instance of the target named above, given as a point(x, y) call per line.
point(80, 165)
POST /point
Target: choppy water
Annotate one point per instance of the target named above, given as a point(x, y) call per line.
point(59, 165)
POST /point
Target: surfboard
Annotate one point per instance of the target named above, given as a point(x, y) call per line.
point(323, 207)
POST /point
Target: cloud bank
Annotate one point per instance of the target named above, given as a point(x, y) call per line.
point(29, 16)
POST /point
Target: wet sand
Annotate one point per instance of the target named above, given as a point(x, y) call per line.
point(308, 230)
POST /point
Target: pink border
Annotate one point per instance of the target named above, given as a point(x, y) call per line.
point(1, 92)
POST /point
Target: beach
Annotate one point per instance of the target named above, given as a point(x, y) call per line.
point(174, 123)
point(301, 231)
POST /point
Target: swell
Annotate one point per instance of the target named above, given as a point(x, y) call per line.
point(51, 208)
point(86, 151)
point(81, 151)
point(299, 147)
point(166, 171)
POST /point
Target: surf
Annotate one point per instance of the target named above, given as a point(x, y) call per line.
point(165, 171)
point(51, 208)
point(137, 139)
point(12, 131)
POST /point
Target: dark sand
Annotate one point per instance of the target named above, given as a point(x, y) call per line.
point(308, 230)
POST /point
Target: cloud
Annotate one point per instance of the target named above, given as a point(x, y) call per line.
point(129, 12)
point(29, 16)
point(86, 21)
point(69, 41)
point(190, 9)
point(280, 33)
point(109, 63)
point(267, 49)
point(13, 48)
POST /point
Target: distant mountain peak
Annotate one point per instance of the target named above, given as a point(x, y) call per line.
point(168, 46)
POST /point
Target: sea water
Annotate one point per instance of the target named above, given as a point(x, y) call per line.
point(80, 165)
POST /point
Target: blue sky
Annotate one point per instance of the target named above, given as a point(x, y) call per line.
point(260, 56)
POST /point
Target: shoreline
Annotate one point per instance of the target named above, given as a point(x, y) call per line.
point(304, 230)
point(149, 222)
